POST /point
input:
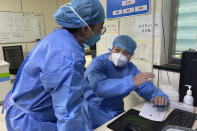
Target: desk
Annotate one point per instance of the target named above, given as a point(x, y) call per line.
point(104, 126)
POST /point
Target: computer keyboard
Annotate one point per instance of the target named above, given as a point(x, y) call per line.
point(180, 118)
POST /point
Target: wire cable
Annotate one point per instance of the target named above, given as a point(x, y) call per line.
point(164, 42)
point(56, 2)
point(158, 78)
point(21, 3)
point(26, 48)
point(168, 77)
point(153, 33)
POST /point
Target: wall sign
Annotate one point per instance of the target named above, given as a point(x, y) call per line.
point(120, 8)
point(19, 27)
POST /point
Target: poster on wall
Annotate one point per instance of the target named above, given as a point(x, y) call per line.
point(111, 33)
point(21, 27)
point(112, 30)
point(143, 26)
point(140, 29)
point(121, 8)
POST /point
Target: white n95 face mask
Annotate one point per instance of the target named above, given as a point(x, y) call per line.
point(118, 59)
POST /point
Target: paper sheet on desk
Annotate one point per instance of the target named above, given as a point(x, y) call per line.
point(151, 112)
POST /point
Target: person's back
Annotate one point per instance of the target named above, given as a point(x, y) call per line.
point(48, 89)
point(33, 91)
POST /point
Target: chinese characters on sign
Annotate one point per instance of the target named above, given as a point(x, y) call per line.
point(143, 26)
point(146, 27)
point(120, 8)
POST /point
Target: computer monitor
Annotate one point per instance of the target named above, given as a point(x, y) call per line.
point(188, 74)
point(14, 56)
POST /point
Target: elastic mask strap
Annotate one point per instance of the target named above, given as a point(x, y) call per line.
point(68, 4)
point(81, 19)
point(57, 28)
point(81, 38)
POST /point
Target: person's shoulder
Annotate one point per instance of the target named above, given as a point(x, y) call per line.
point(100, 61)
point(98, 64)
point(132, 65)
point(58, 33)
point(103, 57)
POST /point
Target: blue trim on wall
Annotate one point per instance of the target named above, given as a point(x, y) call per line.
point(4, 79)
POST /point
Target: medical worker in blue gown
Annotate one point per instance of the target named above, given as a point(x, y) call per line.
point(47, 92)
point(111, 77)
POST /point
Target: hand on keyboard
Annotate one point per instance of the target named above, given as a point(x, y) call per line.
point(162, 108)
point(159, 100)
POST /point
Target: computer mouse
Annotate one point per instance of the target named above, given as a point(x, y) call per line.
point(131, 127)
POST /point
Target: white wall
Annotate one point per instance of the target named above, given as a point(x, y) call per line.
point(146, 66)
point(47, 7)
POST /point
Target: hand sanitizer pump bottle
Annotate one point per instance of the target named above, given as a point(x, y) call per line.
point(188, 98)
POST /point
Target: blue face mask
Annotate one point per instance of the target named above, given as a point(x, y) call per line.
point(93, 40)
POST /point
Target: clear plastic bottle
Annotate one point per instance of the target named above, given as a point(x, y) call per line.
point(188, 98)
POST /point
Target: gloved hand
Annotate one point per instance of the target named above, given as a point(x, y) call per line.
point(143, 77)
point(159, 101)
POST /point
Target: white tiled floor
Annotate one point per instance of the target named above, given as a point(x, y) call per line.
point(2, 121)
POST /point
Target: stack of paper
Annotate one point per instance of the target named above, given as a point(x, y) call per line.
point(151, 112)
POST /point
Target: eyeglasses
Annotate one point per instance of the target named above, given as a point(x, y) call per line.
point(103, 30)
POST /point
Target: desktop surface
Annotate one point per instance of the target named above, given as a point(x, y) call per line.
point(131, 121)
point(138, 108)
point(176, 128)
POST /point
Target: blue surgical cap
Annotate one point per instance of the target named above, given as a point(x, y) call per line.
point(125, 42)
point(91, 11)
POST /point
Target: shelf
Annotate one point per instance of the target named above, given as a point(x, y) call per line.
point(168, 67)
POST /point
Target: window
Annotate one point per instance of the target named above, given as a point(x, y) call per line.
point(185, 29)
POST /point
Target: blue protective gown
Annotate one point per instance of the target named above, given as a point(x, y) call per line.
point(109, 85)
point(47, 93)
